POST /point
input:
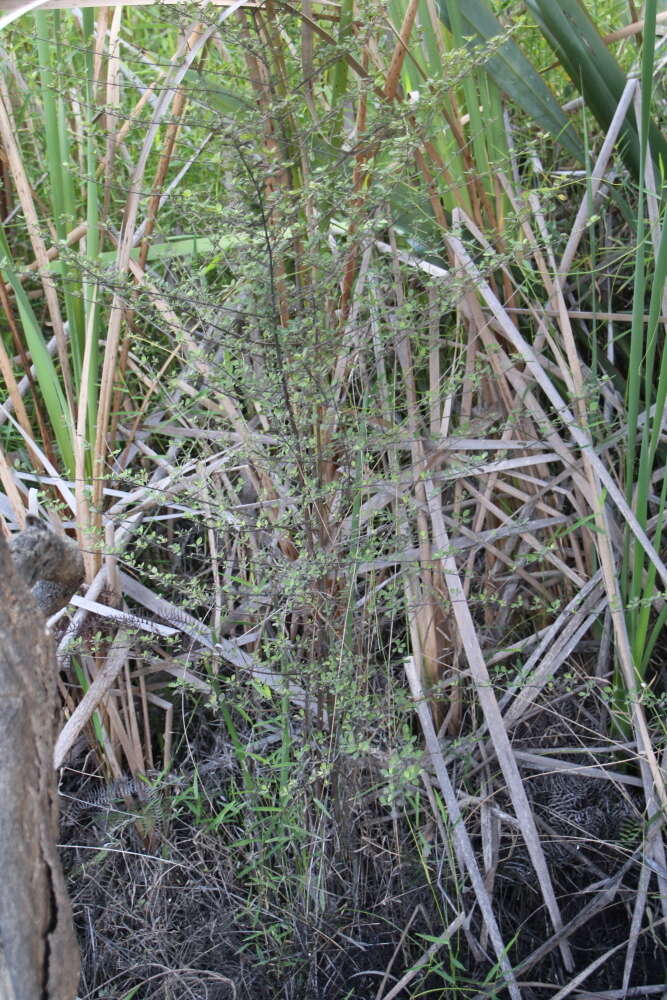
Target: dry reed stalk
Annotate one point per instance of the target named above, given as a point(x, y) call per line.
point(15, 8)
point(168, 709)
point(264, 478)
point(56, 480)
point(11, 490)
point(430, 617)
point(111, 101)
point(119, 739)
point(147, 228)
point(595, 472)
point(147, 735)
point(536, 370)
point(16, 399)
point(215, 561)
point(489, 705)
point(100, 686)
point(359, 178)
point(24, 191)
point(179, 65)
point(463, 847)
point(84, 521)
point(127, 697)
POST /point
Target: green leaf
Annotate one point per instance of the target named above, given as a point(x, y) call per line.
point(512, 71)
point(45, 369)
point(571, 33)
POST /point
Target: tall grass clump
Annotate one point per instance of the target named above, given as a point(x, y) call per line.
point(335, 339)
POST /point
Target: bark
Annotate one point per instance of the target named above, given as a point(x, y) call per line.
point(39, 958)
point(50, 564)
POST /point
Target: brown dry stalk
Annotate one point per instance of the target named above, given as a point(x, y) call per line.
point(181, 62)
point(489, 705)
point(33, 226)
point(463, 847)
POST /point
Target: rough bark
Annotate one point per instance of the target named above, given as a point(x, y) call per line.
point(38, 953)
point(50, 564)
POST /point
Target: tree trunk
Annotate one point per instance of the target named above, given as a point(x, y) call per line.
point(39, 958)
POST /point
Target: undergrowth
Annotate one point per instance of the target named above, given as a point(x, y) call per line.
point(346, 414)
